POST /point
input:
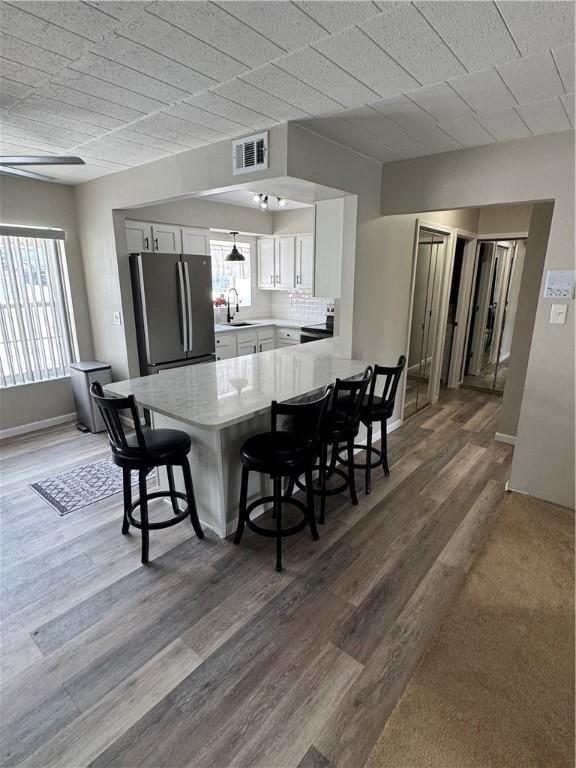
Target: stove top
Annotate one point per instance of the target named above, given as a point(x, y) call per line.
point(326, 329)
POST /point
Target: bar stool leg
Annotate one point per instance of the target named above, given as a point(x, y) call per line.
point(310, 505)
point(191, 499)
point(323, 462)
point(368, 457)
point(333, 459)
point(242, 505)
point(278, 514)
point(384, 448)
point(143, 513)
point(127, 485)
point(351, 472)
point(173, 499)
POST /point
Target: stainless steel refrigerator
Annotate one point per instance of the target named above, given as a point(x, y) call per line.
point(173, 309)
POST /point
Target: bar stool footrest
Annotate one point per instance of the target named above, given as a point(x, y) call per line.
point(327, 491)
point(373, 465)
point(174, 520)
point(273, 533)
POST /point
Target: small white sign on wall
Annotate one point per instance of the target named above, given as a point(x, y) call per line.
point(560, 284)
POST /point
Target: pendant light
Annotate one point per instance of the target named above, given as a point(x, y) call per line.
point(234, 254)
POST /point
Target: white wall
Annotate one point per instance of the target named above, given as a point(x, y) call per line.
point(43, 204)
point(297, 221)
point(536, 169)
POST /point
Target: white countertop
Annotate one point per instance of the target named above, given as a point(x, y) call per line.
point(258, 322)
point(216, 395)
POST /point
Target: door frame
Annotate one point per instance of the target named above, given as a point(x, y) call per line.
point(455, 373)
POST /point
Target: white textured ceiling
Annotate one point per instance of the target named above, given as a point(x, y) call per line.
point(124, 83)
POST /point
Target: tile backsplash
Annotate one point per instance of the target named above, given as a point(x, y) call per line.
point(299, 305)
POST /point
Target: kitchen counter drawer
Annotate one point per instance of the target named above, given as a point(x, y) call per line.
point(289, 334)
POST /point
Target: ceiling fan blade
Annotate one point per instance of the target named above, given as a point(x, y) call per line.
point(40, 160)
point(9, 171)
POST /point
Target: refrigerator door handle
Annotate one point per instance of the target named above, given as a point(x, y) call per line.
point(188, 306)
point(183, 305)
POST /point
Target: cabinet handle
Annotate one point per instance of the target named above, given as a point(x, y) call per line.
point(156, 243)
point(254, 347)
point(260, 347)
point(271, 279)
point(147, 243)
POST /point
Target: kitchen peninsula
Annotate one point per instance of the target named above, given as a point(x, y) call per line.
point(223, 403)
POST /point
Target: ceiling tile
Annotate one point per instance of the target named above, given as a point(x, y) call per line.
point(94, 86)
point(255, 99)
point(532, 79)
point(360, 56)
point(484, 91)
point(474, 31)
point(126, 77)
point(564, 58)
point(214, 26)
point(122, 10)
point(101, 107)
point(316, 70)
point(164, 142)
point(342, 132)
point(369, 122)
point(38, 129)
point(280, 21)
point(537, 26)
point(504, 125)
point(176, 129)
point(467, 131)
point(115, 149)
point(34, 30)
point(410, 40)
point(14, 90)
point(20, 73)
point(157, 35)
point(546, 116)
point(56, 113)
point(568, 103)
point(416, 123)
point(441, 102)
point(275, 81)
point(336, 16)
point(212, 102)
point(20, 51)
point(80, 18)
point(194, 114)
point(22, 146)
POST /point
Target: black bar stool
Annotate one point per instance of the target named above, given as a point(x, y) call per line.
point(141, 451)
point(379, 408)
point(340, 425)
point(285, 453)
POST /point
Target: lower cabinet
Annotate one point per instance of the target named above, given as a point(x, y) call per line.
point(249, 341)
point(226, 346)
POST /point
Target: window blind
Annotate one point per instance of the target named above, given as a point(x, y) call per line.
point(35, 333)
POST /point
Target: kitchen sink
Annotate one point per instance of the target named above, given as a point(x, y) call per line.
point(240, 324)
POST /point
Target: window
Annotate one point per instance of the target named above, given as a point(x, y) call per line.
point(35, 336)
point(230, 274)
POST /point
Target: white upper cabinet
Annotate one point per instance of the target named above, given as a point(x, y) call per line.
point(285, 256)
point(138, 236)
point(166, 238)
point(266, 263)
point(305, 262)
point(195, 241)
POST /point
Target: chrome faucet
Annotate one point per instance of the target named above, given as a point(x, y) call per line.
point(230, 317)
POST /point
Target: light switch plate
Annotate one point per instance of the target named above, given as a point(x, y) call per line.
point(117, 318)
point(558, 314)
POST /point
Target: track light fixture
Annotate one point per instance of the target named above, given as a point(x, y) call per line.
point(281, 201)
point(264, 202)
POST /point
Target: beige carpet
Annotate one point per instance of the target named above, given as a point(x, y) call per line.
point(497, 687)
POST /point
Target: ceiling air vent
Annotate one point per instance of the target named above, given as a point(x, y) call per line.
point(250, 154)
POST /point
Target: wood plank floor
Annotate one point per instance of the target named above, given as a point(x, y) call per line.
point(207, 657)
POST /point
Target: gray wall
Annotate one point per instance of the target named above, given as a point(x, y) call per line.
point(43, 204)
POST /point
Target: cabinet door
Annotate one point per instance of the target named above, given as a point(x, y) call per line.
point(266, 263)
point(305, 262)
point(266, 345)
point(195, 241)
point(246, 348)
point(166, 238)
point(285, 262)
point(138, 236)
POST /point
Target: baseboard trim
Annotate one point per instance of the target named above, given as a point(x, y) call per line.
point(33, 426)
point(501, 437)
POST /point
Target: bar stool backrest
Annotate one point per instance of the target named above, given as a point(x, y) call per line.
point(306, 418)
point(348, 398)
point(391, 375)
point(110, 408)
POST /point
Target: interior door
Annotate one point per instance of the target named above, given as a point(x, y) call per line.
point(160, 296)
point(200, 312)
point(285, 262)
point(166, 238)
point(484, 279)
